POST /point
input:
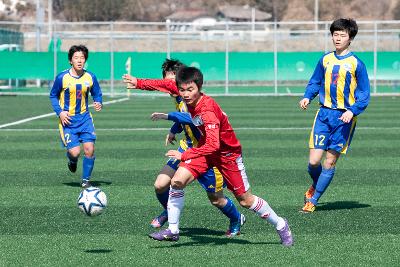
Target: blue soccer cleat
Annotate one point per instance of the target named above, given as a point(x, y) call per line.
point(160, 220)
point(164, 235)
point(234, 226)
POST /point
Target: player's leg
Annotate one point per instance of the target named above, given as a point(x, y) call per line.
point(237, 182)
point(73, 155)
point(213, 182)
point(314, 170)
point(318, 142)
point(71, 142)
point(265, 212)
point(161, 188)
point(176, 202)
point(326, 175)
point(87, 137)
point(186, 173)
point(339, 141)
point(87, 163)
point(228, 208)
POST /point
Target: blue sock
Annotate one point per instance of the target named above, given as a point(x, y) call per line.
point(230, 210)
point(323, 182)
point(71, 158)
point(88, 164)
point(163, 198)
point(314, 172)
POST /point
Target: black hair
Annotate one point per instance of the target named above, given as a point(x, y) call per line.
point(78, 48)
point(171, 65)
point(347, 25)
point(187, 75)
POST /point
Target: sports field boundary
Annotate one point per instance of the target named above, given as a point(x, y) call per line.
point(53, 114)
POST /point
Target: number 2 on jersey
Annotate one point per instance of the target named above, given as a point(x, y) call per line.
point(319, 139)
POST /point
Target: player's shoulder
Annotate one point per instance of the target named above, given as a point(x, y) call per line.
point(61, 75)
point(327, 55)
point(89, 73)
point(359, 61)
point(209, 104)
point(208, 101)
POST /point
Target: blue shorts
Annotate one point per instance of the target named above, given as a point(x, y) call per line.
point(79, 132)
point(330, 133)
point(212, 181)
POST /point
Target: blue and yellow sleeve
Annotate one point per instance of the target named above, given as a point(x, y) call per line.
point(176, 128)
point(55, 94)
point(362, 91)
point(315, 82)
point(180, 117)
point(95, 91)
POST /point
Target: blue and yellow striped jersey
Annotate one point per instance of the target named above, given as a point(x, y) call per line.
point(192, 134)
point(70, 93)
point(341, 82)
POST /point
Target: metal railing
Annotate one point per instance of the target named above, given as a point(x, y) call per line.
point(169, 37)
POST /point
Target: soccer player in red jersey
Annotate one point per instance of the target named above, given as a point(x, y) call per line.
point(219, 147)
point(212, 180)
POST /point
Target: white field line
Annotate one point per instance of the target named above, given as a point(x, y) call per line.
point(53, 114)
point(166, 129)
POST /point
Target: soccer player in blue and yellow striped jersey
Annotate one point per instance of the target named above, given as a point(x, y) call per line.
point(69, 98)
point(341, 80)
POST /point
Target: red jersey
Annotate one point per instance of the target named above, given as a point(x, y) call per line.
point(218, 138)
point(164, 85)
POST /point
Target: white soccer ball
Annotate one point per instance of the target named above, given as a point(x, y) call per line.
point(92, 201)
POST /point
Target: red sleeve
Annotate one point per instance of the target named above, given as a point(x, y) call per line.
point(164, 85)
point(212, 143)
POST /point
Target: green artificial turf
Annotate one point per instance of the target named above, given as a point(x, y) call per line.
point(357, 222)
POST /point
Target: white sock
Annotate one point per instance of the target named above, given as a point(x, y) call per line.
point(176, 201)
point(261, 207)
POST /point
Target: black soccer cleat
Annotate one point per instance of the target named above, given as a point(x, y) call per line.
point(72, 166)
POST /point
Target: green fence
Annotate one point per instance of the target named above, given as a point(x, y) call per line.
point(243, 66)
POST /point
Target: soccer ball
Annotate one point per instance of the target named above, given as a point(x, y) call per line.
point(92, 201)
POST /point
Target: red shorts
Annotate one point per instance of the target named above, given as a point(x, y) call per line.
point(230, 166)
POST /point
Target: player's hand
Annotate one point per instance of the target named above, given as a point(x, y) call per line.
point(174, 154)
point(346, 116)
point(170, 139)
point(65, 118)
point(159, 116)
point(131, 82)
point(304, 103)
point(97, 106)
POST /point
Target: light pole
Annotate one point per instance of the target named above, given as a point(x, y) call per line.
point(316, 7)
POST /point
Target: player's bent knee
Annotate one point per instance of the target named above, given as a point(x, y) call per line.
point(314, 163)
point(246, 200)
point(329, 164)
point(74, 152)
point(162, 183)
point(218, 202)
point(177, 185)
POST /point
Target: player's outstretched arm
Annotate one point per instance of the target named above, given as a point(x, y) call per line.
point(159, 116)
point(131, 82)
point(180, 117)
